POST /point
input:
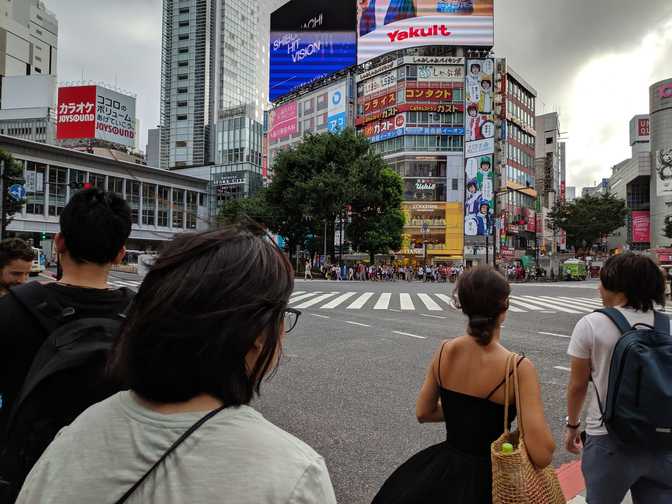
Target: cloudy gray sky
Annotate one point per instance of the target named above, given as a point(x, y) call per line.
point(590, 60)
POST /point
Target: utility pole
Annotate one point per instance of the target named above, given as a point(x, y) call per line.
point(3, 200)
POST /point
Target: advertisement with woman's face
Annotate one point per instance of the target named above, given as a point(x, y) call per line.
point(389, 25)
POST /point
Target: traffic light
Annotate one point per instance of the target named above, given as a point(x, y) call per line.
point(43, 236)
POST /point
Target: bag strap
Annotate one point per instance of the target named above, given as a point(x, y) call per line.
point(519, 408)
point(509, 362)
point(170, 450)
point(36, 299)
point(617, 318)
point(661, 323)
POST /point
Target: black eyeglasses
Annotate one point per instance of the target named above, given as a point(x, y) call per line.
point(291, 317)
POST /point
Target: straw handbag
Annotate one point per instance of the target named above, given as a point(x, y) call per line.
point(515, 480)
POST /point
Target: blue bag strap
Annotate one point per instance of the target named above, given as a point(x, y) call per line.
point(617, 318)
point(661, 323)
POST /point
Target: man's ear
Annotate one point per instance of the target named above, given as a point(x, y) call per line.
point(120, 256)
point(60, 243)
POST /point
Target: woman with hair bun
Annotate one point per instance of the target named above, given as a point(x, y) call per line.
point(464, 389)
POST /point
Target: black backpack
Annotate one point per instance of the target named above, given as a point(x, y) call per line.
point(638, 410)
point(67, 376)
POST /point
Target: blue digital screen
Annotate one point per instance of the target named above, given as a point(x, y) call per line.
point(310, 40)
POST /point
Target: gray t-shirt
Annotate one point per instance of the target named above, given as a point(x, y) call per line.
point(237, 457)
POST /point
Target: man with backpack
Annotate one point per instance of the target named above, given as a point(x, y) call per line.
point(56, 337)
point(625, 349)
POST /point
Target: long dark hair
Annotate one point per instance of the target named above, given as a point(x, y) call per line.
point(198, 313)
point(483, 295)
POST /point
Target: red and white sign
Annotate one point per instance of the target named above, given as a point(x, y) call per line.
point(641, 227)
point(381, 102)
point(643, 127)
point(429, 94)
point(284, 122)
point(563, 191)
point(95, 112)
point(665, 90)
point(445, 108)
point(378, 128)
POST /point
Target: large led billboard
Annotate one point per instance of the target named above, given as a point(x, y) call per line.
point(95, 112)
point(390, 25)
point(310, 40)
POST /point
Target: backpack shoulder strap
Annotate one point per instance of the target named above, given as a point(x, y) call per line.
point(661, 323)
point(37, 300)
point(617, 318)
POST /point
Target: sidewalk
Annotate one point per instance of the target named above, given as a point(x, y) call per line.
point(573, 485)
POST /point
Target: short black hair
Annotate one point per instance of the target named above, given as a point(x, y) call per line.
point(95, 226)
point(483, 295)
point(12, 249)
point(637, 277)
point(198, 313)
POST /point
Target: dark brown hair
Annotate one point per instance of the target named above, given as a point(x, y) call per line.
point(637, 277)
point(483, 295)
point(198, 313)
point(12, 249)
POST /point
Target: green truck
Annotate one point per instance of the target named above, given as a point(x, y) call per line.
point(574, 269)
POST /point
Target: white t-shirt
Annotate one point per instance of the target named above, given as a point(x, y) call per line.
point(237, 457)
point(594, 338)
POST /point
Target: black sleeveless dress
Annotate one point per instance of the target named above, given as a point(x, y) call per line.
point(458, 470)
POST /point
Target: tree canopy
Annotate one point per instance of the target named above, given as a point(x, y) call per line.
point(13, 174)
point(588, 219)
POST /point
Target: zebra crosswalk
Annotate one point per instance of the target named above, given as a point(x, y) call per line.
point(133, 284)
point(435, 302)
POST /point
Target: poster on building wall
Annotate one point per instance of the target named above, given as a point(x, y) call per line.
point(440, 73)
point(337, 117)
point(664, 172)
point(76, 113)
point(479, 148)
point(115, 117)
point(283, 122)
point(384, 26)
point(641, 226)
point(378, 83)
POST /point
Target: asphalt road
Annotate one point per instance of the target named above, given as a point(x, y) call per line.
point(351, 369)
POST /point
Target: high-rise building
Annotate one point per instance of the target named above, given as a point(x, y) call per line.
point(28, 38)
point(214, 67)
point(153, 148)
point(660, 100)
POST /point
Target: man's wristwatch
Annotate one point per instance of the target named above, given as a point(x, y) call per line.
point(570, 426)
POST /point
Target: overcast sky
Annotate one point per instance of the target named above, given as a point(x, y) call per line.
point(590, 60)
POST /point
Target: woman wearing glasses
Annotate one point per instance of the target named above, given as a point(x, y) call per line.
point(205, 329)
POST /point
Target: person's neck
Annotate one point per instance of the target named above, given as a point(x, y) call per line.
point(200, 403)
point(92, 276)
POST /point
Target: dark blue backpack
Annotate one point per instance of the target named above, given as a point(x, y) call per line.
point(638, 410)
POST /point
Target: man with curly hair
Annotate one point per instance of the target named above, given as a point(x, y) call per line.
point(16, 261)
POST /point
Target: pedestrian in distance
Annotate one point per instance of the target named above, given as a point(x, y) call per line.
point(205, 329)
point(52, 361)
point(464, 388)
point(308, 274)
point(16, 262)
point(626, 351)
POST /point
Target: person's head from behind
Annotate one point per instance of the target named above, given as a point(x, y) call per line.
point(483, 295)
point(16, 261)
point(208, 319)
point(94, 228)
point(633, 281)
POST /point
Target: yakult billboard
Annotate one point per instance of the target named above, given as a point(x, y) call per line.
point(389, 25)
point(94, 112)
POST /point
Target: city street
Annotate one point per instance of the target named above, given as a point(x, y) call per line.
point(351, 369)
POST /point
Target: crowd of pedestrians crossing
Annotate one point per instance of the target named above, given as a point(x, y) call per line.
point(386, 272)
point(110, 397)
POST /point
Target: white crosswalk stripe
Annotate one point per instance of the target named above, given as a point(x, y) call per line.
point(546, 305)
point(445, 299)
point(572, 305)
point(515, 301)
point(429, 302)
point(338, 301)
point(314, 301)
point(383, 301)
point(295, 299)
point(406, 301)
point(360, 301)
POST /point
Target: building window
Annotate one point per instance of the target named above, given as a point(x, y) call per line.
point(178, 208)
point(133, 199)
point(148, 203)
point(35, 188)
point(183, 24)
point(58, 189)
point(182, 90)
point(192, 209)
point(455, 184)
point(182, 117)
point(183, 36)
point(181, 143)
point(183, 50)
point(184, 10)
point(182, 103)
point(182, 63)
point(549, 140)
point(97, 180)
point(77, 177)
point(183, 76)
point(163, 217)
point(115, 185)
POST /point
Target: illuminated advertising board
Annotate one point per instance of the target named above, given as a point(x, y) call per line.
point(389, 25)
point(310, 40)
point(428, 94)
point(641, 226)
point(95, 112)
point(337, 117)
point(283, 122)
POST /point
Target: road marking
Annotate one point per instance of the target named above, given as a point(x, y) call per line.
point(383, 301)
point(446, 299)
point(406, 301)
point(545, 304)
point(409, 335)
point(296, 293)
point(429, 302)
point(432, 316)
point(554, 334)
point(562, 368)
point(360, 301)
point(340, 299)
point(356, 323)
point(514, 300)
point(573, 305)
point(314, 301)
point(304, 296)
point(319, 316)
point(396, 311)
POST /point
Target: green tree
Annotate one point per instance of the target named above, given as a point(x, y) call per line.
point(12, 174)
point(588, 219)
point(254, 207)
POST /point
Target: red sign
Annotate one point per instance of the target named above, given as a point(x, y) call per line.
point(643, 127)
point(531, 217)
point(665, 91)
point(284, 122)
point(388, 100)
point(445, 108)
point(641, 227)
point(376, 128)
point(76, 112)
point(425, 94)
point(563, 191)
